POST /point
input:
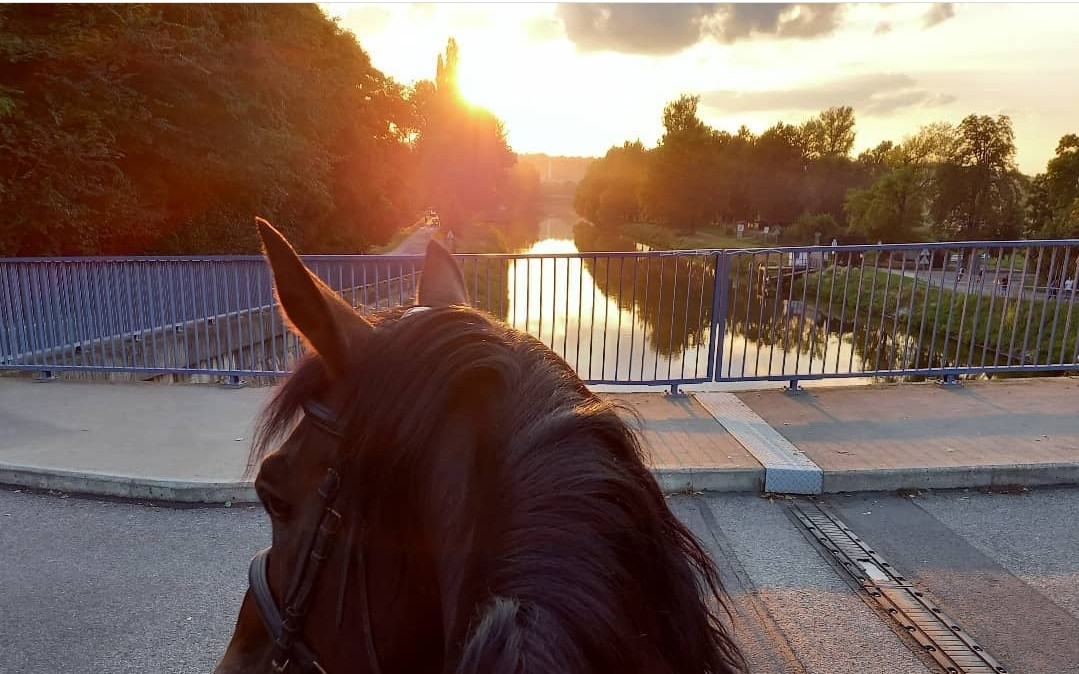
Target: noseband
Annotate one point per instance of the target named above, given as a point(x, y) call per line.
point(286, 627)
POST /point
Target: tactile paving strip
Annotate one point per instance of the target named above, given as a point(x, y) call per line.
point(787, 470)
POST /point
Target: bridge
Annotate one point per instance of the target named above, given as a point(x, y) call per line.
point(876, 463)
point(914, 526)
point(175, 315)
point(657, 318)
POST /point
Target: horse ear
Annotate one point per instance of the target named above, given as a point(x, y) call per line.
point(314, 311)
point(442, 283)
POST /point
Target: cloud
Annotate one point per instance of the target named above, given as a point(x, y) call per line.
point(633, 28)
point(542, 28)
point(655, 29)
point(939, 13)
point(877, 95)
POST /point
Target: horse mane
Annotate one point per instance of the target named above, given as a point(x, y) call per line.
point(576, 562)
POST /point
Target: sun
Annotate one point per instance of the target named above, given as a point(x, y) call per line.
point(480, 86)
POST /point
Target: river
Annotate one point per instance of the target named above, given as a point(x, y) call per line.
point(650, 320)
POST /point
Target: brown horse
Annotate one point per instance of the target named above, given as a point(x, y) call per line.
point(451, 498)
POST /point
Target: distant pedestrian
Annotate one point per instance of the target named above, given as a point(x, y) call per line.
point(1051, 289)
point(1069, 285)
point(1003, 281)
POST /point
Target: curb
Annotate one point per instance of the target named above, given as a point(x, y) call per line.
point(670, 480)
point(951, 477)
point(677, 480)
point(129, 487)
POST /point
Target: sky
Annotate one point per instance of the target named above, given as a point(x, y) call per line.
point(576, 79)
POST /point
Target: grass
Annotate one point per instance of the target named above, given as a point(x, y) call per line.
point(477, 237)
point(486, 279)
point(997, 325)
point(666, 238)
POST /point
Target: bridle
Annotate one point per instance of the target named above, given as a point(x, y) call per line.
point(286, 627)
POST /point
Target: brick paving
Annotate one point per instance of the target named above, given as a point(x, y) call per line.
point(171, 441)
point(983, 423)
point(679, 433)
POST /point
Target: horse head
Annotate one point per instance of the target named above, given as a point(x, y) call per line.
point(449, 497)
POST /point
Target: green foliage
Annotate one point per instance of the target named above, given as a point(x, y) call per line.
point(890, 210)
point(812, 229)
point(944, 182)
point(166, 128)
point(1053, 202)
point(609, 193)
point(977, 187)
point(679, 189)
point(830, 134)
point(698, 176)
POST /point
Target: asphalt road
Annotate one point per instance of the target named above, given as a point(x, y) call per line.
point(93, 586)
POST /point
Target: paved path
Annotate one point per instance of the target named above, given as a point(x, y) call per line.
point(190, 442)
point(415, 243)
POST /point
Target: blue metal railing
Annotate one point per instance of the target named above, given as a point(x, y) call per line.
point(660, 317)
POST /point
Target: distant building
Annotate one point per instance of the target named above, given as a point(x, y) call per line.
point(557, 169)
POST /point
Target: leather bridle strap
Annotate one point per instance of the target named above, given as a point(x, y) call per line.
point(285, 628)
point(271, 618)
point(304, 579)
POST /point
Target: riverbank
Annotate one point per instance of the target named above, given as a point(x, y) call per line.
point(665, 238)
point(969, 322)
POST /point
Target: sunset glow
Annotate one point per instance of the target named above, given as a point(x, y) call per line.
point(577, 79)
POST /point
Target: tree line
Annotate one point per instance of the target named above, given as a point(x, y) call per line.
point(949, 182)
point(163, 129)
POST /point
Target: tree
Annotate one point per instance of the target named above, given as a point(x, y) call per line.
point(776, 164)
point(164, 128)
point(462, 150)
point(889, 210)
point(978, 186)
point(932, 144)
point(896, 202)
point(679, 189)
point(1062, 173)
point(830, 134)
point(873, 163)
point(811, 229)
point(609, 193)
point(1053, 203)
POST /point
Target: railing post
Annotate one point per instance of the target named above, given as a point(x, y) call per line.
point(675, 391)
point(792, 388)
point(719, 315)
point(233, 381)
point(950, 379)
point(45, 375)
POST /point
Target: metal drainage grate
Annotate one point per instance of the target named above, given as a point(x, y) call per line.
point(940, 636)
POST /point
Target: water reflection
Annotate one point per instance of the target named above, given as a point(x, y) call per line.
point(632, 318)
point(584, 309)
point(649, 318)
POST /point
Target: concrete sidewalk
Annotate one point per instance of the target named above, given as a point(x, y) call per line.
point(189, 443)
